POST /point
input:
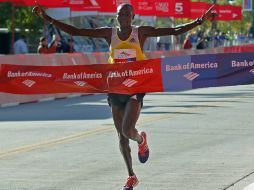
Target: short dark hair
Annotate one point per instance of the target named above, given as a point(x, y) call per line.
point(129, 6)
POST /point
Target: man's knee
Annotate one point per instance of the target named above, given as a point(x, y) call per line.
point(123, 141)
point(127, 132)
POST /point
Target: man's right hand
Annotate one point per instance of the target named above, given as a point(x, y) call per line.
point(38, 11)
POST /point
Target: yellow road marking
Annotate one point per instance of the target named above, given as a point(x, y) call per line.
point(100, 130)
point(54, 142)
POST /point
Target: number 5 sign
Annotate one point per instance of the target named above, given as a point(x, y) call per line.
point(182, 8)
point(179, 8)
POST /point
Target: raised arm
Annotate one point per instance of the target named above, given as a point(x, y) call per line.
point(148, 31)
point(72, 30)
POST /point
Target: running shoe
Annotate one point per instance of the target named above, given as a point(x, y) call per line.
point(143, 150)
point(131, 182)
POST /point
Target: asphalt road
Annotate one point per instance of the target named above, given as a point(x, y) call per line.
point(199, 140)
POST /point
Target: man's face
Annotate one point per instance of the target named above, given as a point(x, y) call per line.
point(125, 16)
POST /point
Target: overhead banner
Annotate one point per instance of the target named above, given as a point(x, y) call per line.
point(225, 12)
point(160, 8)
point(228, 12)
point(182, 9)
point(144, 7)
point(108, 6)
point(155, 75)
point(47, 3)
point(198, 9)
point(164, 8)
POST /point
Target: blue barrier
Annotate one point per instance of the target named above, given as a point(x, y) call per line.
point(210, 70)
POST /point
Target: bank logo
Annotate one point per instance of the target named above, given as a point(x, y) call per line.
point(129, 82)
point(191, 76)
point(28, 83)
point(80, 83)
point(252, 71)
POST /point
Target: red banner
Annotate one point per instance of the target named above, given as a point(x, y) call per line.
point(47, 3)
point(228, 12)
point(182, 9)
point(11, 1)
point(164, 8)
point(144, 7)
point(142, 76)
point(108, 6)
point(225, 12)
point(198, 9)
point(14, 2)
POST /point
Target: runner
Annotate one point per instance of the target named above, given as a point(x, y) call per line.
point(126, 44)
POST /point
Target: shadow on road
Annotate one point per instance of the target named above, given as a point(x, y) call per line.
point(81, 108)
point(96, 107)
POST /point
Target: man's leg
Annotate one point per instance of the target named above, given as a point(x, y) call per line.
point(131, 115)
point(118, 113)
point(130, 118)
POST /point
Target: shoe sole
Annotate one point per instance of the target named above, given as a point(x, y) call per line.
point(144, 158)
point(131, 188)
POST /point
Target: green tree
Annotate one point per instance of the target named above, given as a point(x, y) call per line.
point(24, 21)
point(5, 14)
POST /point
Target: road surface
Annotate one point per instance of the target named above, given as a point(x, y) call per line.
point(199, 140)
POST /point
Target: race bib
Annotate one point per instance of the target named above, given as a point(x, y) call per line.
point(124, 55)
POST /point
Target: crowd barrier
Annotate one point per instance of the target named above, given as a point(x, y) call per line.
point(7, 99)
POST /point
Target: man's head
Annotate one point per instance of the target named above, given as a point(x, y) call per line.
point(125, 15)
